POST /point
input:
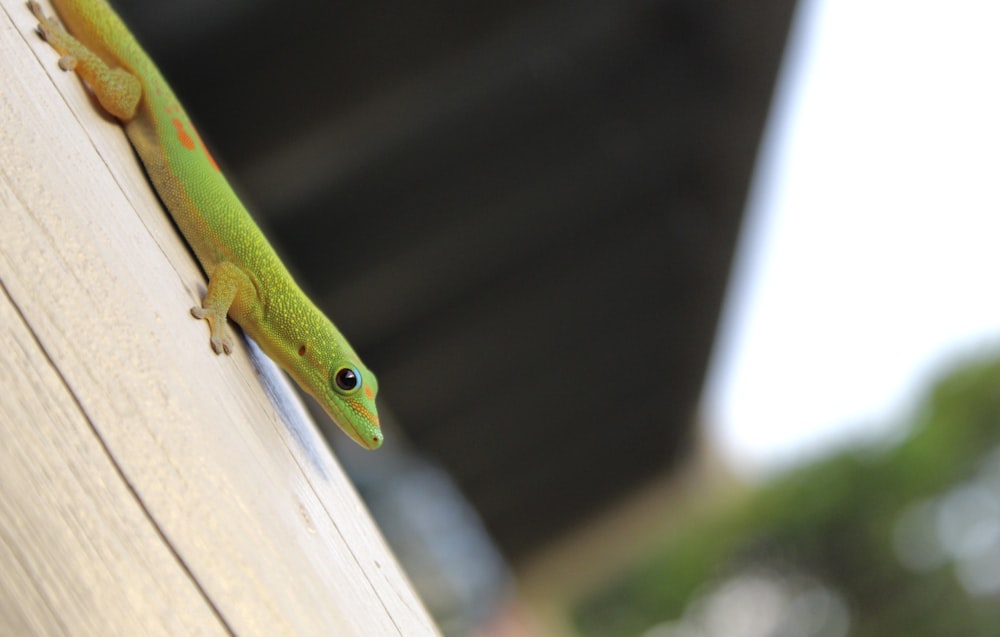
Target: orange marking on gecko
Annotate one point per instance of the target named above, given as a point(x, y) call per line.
point(360, 410)
point(188, 142)
point(182, 135)
point(211, 159)
point(368, 391)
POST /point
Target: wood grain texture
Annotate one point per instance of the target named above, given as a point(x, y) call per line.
point(148, 486)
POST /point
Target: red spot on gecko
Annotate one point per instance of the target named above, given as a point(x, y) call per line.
point(368, 391)
point(188, 142)
point(211, 159)
point(182, 135)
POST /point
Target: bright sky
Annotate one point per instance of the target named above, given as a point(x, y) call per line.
point(872, 253)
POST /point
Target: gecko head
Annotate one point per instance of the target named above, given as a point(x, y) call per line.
point(328, 369)
point(349, 399)
point(342, 385)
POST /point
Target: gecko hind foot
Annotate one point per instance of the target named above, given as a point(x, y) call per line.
point(48, 27)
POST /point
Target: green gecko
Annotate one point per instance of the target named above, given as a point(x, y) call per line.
point(247, 280)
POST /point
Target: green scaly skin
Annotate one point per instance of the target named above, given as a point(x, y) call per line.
point(247, 280)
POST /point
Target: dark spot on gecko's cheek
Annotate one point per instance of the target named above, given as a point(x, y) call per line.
point(302, 350)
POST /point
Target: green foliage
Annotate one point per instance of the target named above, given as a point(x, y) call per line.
point(833, 521)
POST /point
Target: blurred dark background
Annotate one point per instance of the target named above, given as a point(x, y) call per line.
point(521, 213)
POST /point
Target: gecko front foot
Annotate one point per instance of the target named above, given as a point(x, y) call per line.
point(225, 283)
point(222, 342)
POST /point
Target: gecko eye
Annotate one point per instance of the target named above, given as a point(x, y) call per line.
point(346, 379)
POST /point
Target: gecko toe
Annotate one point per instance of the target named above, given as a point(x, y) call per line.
point(219, 345)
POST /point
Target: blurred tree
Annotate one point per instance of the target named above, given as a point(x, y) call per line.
point(906, 539)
